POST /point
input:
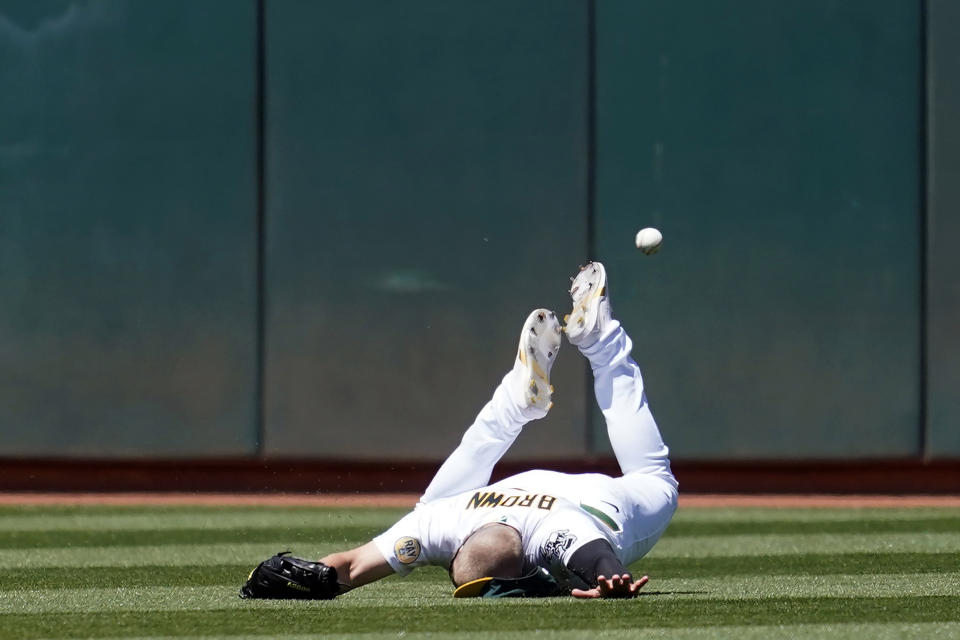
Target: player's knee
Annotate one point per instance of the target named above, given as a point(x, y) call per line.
point(494, 550)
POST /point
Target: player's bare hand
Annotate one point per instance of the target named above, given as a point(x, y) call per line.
point(614, 587)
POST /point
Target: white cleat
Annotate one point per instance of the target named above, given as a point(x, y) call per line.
point(539, 344)
point(591, 305)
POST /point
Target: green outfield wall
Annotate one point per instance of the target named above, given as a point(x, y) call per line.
point(293, 228)
point(942, 383)
point(127, 228)
point(427, 168)
point(776, 147)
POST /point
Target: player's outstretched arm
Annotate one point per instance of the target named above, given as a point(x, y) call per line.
point(358, 566)
point(619, 586)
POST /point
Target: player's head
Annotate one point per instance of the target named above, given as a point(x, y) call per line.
point(493, 550)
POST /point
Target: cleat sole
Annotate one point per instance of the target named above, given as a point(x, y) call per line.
point(589, 287)
point(539, 346)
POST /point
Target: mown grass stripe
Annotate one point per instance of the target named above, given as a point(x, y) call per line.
point(681, 528)
point(767, 514)
point(201, 519)
point(757, 545)
point(690, 547)
point(353, 533)
point(195, 598)
point(131, 538)
point(491, 616)
point(170, 555)
point(858, 631)
point(115, 577)
point(141, 517)
point(154, 576)
point(657, 568)
point(800, 565)
point(755, 587)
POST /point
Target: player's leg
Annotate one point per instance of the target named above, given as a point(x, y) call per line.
point(523, 395)
point(618, 383)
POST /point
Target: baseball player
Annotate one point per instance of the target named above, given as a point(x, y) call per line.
point(576, 532)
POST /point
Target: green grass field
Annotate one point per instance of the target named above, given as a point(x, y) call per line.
point(124, 572)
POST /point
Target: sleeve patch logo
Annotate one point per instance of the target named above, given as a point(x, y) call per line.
point(407, 549)
point(559, 541)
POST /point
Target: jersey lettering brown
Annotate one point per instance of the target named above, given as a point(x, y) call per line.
point(494, 499)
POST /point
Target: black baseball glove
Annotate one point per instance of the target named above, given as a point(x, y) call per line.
point(284, 577)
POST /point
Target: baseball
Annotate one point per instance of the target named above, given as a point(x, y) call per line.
point(649, 240)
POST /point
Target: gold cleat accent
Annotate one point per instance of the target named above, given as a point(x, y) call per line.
point(588, 293)
point(539, 346)
point(537, 370)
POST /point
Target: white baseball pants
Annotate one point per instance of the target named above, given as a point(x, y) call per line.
point(641, 501)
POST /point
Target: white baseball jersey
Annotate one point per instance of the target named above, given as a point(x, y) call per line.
point(551, 529)
point(635, 509)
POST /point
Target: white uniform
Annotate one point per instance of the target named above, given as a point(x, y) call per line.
point(551, 529)
point(631, 511)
